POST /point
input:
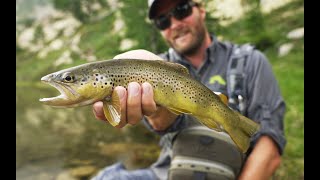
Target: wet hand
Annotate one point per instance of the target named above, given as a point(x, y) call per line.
point(135, 102)
point(138, 100)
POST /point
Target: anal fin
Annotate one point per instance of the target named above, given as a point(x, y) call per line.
point(210, 124)
point(178, 111)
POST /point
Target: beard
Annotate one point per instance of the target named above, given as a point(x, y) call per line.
point(188, 40)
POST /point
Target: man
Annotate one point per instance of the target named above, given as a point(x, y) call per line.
point(182, 25)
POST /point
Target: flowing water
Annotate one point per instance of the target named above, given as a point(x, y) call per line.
point(54, 143)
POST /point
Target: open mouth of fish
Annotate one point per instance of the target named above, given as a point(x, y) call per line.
point(59, 88)
point(65, 93)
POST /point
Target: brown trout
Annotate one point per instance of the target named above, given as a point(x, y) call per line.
point(173, 88)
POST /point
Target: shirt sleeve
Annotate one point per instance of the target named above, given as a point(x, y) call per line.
point(265, 103)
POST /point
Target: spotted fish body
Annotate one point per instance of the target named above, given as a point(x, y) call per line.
point(173, 88)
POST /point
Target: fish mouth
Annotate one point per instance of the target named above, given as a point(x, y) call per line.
point(65, 99)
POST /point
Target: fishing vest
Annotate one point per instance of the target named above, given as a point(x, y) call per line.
point(237, 92)
point(204, 154)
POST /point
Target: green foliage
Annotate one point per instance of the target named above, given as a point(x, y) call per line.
point(81, 9)
point(38, 34)
point(140, 29)
point(74, 6)
point(96, 39)
point(254, 22)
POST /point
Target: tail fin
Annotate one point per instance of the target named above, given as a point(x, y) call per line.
point(241, 135)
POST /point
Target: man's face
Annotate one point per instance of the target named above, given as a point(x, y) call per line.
point(186, 35)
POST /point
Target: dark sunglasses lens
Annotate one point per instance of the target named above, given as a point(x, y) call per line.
point(182, 11)
point(163, 22)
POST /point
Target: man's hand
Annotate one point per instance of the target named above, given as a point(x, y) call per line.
point(135, 103)
point(138, 100)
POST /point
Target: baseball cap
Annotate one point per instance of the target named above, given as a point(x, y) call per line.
point(152, 4)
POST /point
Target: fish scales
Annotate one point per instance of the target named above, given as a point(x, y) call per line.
point(166, 82)
point(173, 88)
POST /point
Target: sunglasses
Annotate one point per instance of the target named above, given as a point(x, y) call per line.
point(180, 12)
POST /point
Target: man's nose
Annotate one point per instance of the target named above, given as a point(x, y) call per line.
point(175, 23)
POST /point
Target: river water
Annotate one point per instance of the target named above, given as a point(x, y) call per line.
point(53, 143)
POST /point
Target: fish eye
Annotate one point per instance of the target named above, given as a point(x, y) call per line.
point(68, 77)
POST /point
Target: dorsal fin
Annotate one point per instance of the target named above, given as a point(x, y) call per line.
point(178, 67)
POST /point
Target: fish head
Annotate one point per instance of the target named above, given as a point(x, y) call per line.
point(77, 87)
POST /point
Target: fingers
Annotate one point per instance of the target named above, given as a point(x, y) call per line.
point(140, 102)
point(98, 107)
point(134, 111)
point(148, 105)
point(98, 111)
point(135, 102)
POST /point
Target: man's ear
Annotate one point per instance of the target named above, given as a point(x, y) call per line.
point(202, 12)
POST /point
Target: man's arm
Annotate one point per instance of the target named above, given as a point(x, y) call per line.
point(263, 160)
point(266, 106)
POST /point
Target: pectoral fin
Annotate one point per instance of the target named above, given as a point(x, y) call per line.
point(112, 109)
